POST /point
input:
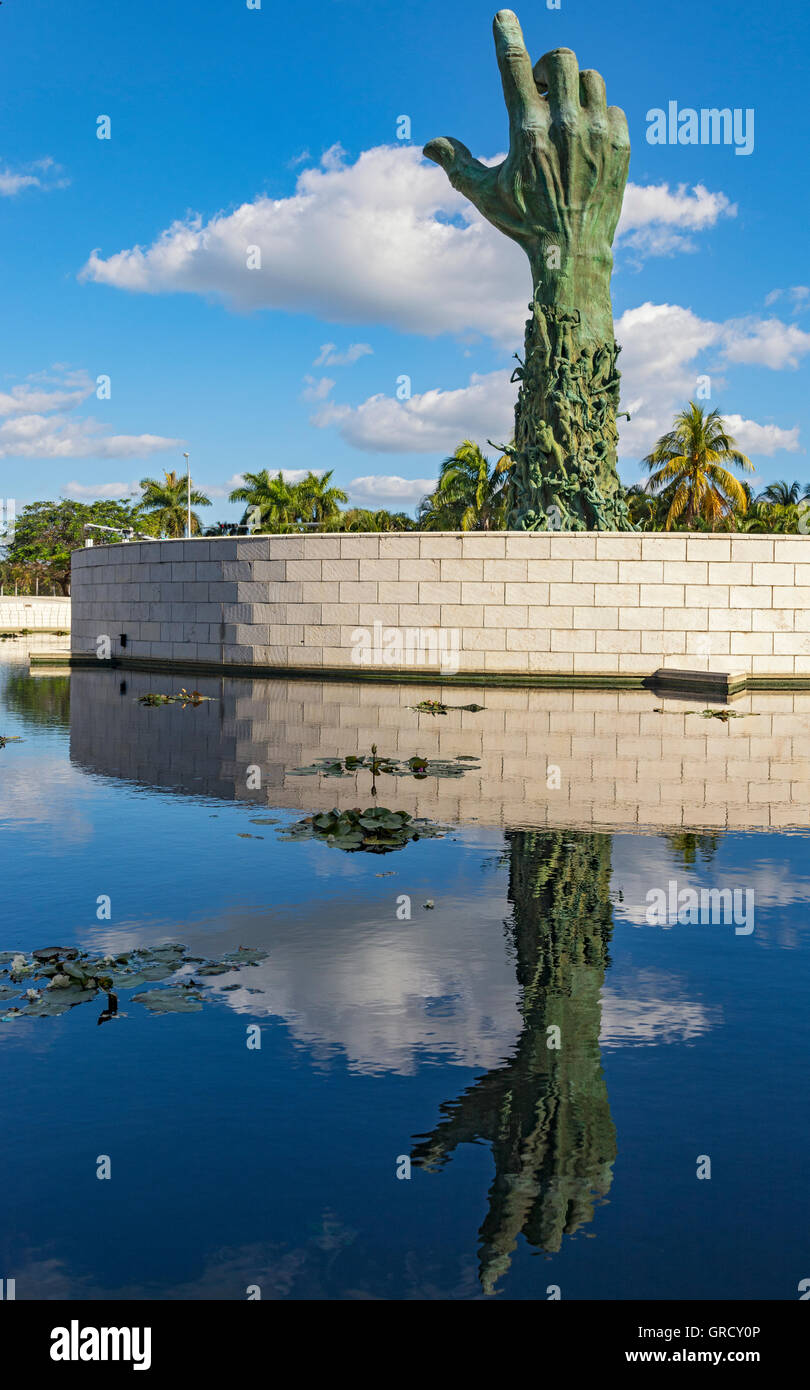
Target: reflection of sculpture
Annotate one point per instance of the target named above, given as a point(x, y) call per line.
point(558, 194)
point(545, 1113)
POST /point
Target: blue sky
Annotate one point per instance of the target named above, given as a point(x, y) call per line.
point(277, 127)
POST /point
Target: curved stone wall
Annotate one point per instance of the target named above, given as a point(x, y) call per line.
point(502, 605)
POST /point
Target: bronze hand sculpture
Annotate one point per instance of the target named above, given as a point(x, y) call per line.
point(558, 194)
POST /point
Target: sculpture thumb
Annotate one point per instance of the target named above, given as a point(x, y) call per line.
point(447, 152)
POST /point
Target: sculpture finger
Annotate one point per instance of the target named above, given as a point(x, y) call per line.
point(617, 125)
point(468, 175)
point(516, 68)
point(557, 73)
point(592, 93)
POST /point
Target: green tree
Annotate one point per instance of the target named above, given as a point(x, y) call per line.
point(361, 519)
point(783, 494)
point(692, 456)
point(648, 511)
point(164, 505)
point(275, 499)
point(470, 494)
point(46, 533)
point(316, 499)
point(45, 701)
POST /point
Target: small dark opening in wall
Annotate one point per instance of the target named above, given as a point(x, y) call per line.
point(123, 687)
point(123, 639)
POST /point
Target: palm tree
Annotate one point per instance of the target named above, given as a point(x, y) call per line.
point(779, 509)
point(782, 494)
point(317, 500)
point(361, 519)
point(274, 498)
point(692, 457)
point(470, 494)
point(648, 511)
point(164, 505)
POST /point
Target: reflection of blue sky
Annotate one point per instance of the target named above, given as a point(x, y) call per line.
point(647, 1007)
point(774, 866)
point(382, 992)
point(277, 1167)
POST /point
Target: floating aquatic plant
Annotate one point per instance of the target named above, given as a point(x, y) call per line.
point(183, 697)
point(722, 714)
point(375, 830)
point(66, 976)
point(725, 714)
point(417, 766)
point(439, 707)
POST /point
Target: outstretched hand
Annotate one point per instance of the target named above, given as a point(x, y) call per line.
point(562, 183)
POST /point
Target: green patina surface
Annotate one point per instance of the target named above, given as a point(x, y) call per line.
point(558, 194)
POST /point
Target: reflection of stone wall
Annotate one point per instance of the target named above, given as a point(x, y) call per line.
point(597, 604)
point(42, 614)
point(620, 763)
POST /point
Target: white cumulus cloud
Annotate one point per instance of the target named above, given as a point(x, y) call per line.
point(385, 239)
point(765, 343)
point(116, 492)
point(656, 221)
point(664, 352)
point(33, 427)
point(316, 388)
point(42, 173)
point(381, 487)
point(431, 422)
point(331, 356)
point(761, 439)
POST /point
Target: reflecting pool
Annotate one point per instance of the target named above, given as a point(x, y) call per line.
point(479, 1062)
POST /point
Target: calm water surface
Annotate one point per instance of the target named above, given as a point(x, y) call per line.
point(381, 1038)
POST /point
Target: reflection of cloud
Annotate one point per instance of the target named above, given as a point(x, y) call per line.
point(653, 864)
point(640, 1013)
point(45, 793)
point(310, 1270)
point(387, 993)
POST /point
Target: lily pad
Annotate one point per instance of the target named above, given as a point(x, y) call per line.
point(183, 697)
point(157, 971)
point(57, 1001)
point(133, 980)
point(174, 1000)
point(245, 955)
point(725, 714)
point(376, 829)
point(416, 766)
point(439, 707)
point(82, 978)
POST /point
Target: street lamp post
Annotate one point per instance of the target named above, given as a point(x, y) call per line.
point(188, 496)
